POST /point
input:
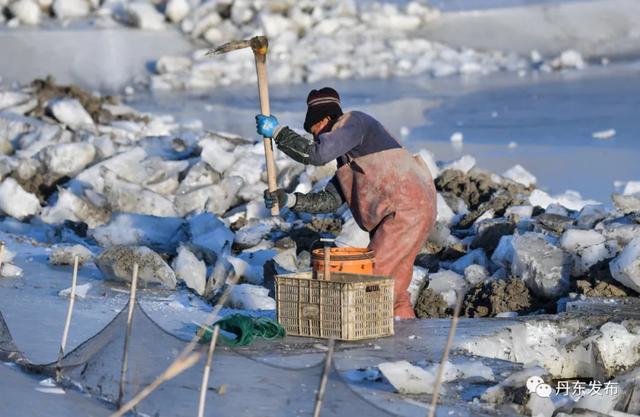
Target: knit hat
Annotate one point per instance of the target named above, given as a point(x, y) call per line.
point(320, 104)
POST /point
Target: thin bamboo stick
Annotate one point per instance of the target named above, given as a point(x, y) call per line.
point(207, 370)
point(67, 322)
point(1, 254)
point(325, 376)
point(445, 354)
point(127, 337)
point(183, 361)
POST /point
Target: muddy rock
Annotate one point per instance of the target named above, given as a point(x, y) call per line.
point(496, 206)
point(556, 223)
point(489, 233)
point(430, 305)
point(116, 264)
point(64, 255)
point(472, 189)
point(491, 298)
point(427, 261)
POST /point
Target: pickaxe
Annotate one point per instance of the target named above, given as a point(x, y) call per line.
point(259, 45)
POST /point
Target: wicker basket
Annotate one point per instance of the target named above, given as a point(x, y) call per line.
point(347, 307)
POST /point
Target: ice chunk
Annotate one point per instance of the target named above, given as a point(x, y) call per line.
point(616, 349)
point(587, 247)
point(210, 234)
point(457, 137)
point(144, 16)
point(520, 175)
point(27, 11)
point(67, 159)
point(70, 9)
point(604, 134)
point(475, 274)
point(626, 267)
point(522, 212)
point(631, 187)
point(64, 255)
point(177, 10)
point(447, 284)
point(82, 291)
point(129, 197)
point(71, 113)
point(168, 64)
point(161, 233)
point(251, 297)
point(464, 164)
point(622, 233)
point(190, 269)
point(429, 159)
point(69, 206)
point(420, 275)
point(627, 203)
point(540, 198)
point(10, 271)
point(351, 235)
point(407, 378)
point(476, 256)
point(15, 201)
point(543, 267)
point(569, 59)
point(251, 234)
point(444, 213)
point(590, 215)
point(116, 263)
point(572, 200)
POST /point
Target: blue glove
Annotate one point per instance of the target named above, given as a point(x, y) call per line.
point(266, 125)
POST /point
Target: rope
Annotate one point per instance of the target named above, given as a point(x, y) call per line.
point(246, 329)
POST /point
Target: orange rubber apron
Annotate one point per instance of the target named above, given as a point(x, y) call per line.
point(393, 197)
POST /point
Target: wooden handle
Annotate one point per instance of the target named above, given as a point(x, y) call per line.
point(263, 90)
point(327, 263)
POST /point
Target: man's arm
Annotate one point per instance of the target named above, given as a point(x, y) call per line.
point(327, 201)
point(330, 146)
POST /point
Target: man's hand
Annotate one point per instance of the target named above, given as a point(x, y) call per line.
point(266, 125)
point(277, 198)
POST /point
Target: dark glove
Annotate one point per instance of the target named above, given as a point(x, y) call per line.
point(277, 198)
point(266, 125)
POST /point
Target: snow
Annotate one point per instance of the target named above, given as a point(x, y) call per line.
point(251, 297)
point(64, 255)
point(543, 267)
point(190, 269)
point(626, 267)
point(569, 59)
point(71, 113)
point(475, 274)
point(520, 175)
point(15, 201)
point(604, 134)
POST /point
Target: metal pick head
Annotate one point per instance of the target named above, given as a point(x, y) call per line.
point(259, 45)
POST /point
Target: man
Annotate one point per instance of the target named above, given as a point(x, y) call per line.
point(391, 194)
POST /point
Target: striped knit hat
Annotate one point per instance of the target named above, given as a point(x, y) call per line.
point(320, 104)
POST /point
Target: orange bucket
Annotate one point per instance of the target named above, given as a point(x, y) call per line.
point(347, 260)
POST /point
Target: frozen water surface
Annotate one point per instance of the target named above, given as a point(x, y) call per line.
point(550, 116)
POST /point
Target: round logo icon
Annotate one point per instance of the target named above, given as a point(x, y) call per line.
point(544, 390)
point(533, 382)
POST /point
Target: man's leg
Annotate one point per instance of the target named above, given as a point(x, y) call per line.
point(396, 242)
